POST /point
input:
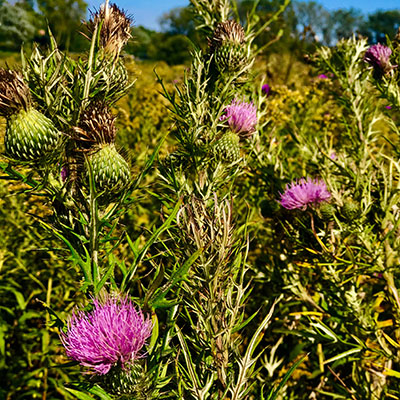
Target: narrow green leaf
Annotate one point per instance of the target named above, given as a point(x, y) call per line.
point(273, 394)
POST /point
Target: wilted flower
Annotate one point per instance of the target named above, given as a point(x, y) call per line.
point(110, 335)
point(228, 46)
point(300, 194)
point(242, 117)
point(227, 31)
point(378, 56)
point(115, 27)
point(266, 89)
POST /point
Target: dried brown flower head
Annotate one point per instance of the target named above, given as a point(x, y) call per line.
point(115, 28)
point(96, 126)
point(228, 31)
point(14, 93)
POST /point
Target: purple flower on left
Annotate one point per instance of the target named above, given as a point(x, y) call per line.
point(112, 334)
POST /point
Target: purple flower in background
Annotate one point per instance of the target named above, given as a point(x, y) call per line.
point(113, 333)
point(64, 173)
point(378, 56)
point(241, 117)
point(300, 194)
point(388, 107)
point(322, 76)
point(266, 89)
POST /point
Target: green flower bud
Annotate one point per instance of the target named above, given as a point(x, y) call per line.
point(350, 210)
point(227, 147)
point(31, 136)
point(110, 170)
point(327, 211)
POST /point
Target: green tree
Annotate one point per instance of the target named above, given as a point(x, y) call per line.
point(179, 21)
point(64, 18)
point(380, 24)
point(17, 25)
point(313, 21)
point(346, 22)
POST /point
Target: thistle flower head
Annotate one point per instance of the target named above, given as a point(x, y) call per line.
point(96, 126)
point(241, 117)
point(378, 56)
point(115, 28)
point(300, 194)
point(266, 89)
point(111, 335)
point(227, 31)
point(14, 93)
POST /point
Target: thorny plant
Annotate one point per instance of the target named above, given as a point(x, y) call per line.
point(304, 219)
point(60, 141)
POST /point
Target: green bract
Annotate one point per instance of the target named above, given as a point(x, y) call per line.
point(110, 169)
point(31, 136)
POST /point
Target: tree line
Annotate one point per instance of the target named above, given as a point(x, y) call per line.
point(303, 24)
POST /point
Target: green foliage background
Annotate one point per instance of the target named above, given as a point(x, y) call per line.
point(301, 116)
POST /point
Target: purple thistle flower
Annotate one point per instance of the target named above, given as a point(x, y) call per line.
point(242, 117)
point(64, 173)
point(378, 56)
point(113, 333)
point(266, 89)
point(300, 194)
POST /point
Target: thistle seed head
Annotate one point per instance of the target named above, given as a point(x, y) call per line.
point(14, 93)
point(115, 28)
point(96, 126)
point(228, 31)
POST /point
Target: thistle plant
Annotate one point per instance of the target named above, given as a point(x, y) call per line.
point(339, 245)
point(216, 118)
point(87, 185)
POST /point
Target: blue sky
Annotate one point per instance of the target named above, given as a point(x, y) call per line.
point(148, 12)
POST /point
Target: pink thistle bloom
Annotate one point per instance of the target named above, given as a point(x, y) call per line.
point(300, 194)
point(241, 117)
point(113, 333)
point(378, 56)
point(266, 89)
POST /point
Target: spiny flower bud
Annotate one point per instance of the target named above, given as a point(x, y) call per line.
point(327, 211)
point(30, 135)
point(96, 126)
point(115, 28)
point(125, 384)
point(111, 80)
point(228, 46)
point(110, 170)
point(95, 135)
point(227, 147)
point(350, 210)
